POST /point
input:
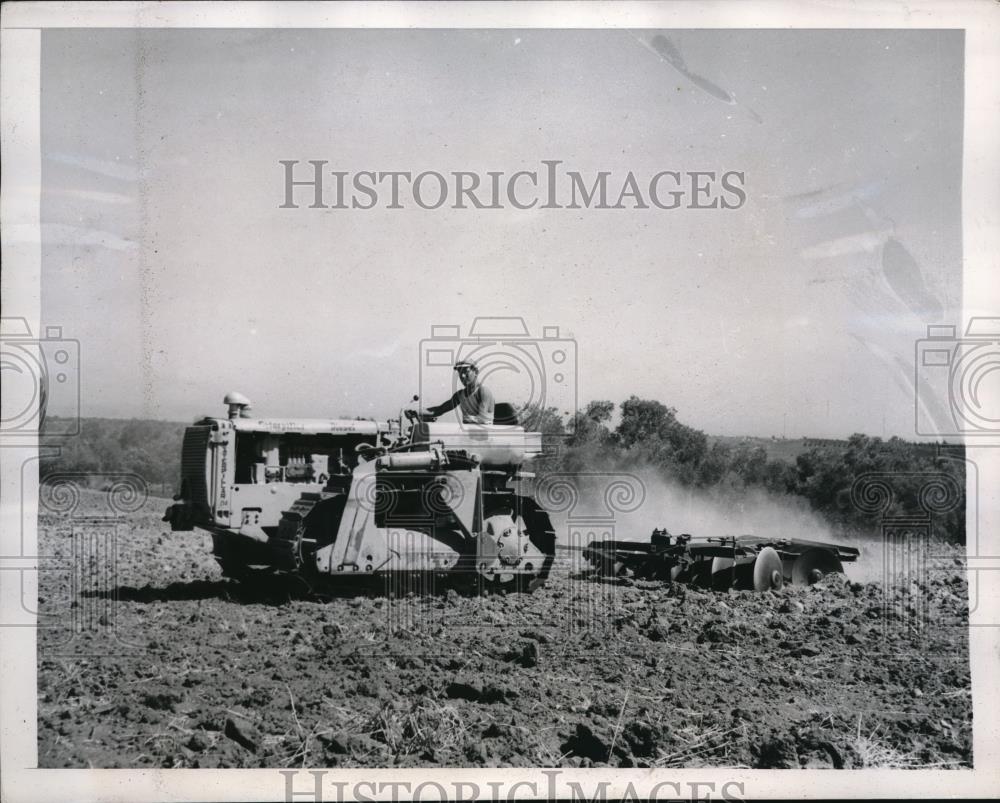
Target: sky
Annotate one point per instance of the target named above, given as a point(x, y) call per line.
point(166, 254)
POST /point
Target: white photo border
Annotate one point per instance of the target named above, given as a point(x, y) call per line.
point(20, 43)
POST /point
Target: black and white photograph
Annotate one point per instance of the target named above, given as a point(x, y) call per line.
point(500, 401)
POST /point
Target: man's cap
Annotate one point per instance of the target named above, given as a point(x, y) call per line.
point(235, 397)
point(462, 364)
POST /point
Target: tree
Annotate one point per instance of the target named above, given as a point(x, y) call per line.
point(713, 466)
point(653, 428)
point(590, 425)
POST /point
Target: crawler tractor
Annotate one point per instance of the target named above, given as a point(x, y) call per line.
point(355, 498)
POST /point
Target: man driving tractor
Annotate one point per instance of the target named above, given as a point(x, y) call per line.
point(474, 400)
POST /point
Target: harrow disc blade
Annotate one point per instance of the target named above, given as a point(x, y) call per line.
point(767, 570)
point(811, 565)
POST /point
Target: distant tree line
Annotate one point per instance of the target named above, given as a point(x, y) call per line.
point(649, 434)
point(151, 449)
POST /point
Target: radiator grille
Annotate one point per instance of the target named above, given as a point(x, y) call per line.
point(194, 463)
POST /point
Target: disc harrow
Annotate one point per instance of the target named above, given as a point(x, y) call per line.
point(746, 562)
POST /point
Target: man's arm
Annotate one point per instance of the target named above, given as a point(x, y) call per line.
point(445, 407)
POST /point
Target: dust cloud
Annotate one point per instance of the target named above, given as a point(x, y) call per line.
point(628, 505)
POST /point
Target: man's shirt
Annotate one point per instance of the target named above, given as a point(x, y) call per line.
point(476, 405)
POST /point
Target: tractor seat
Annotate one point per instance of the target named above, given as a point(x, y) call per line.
point(503, 413)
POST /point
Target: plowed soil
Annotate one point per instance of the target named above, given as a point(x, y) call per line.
point(147, 657)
